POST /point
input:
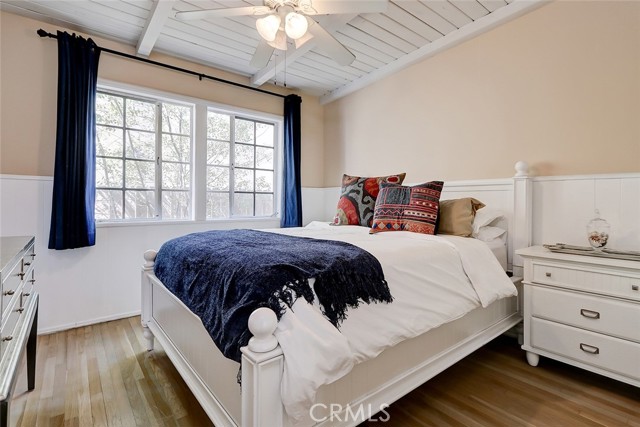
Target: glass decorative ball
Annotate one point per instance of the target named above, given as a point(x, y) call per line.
point(598, 232)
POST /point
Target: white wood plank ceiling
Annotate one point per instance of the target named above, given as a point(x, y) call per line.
point(383, 43)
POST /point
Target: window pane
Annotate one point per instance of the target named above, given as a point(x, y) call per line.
point(244, 131)
point(108, 172)
point(243, 180)
point(264, 134)
point(218, 126)
point(141, 145)
point(243, 204)
point(109, 109)
point(217, 205)
point(176, 119)
point(176, 205)
point(108, 141)
point(141, 115)
point(108, 204)
point(244, 156)
point(217, 153)
point(264, 158)
point(217, 178)
point(140, 174)
point(264, 181)
point(139, 204)
point(264, 204)
point(176, 176)
point(176, 148)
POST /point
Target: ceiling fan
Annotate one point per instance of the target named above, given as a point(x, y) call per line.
point(282, 19)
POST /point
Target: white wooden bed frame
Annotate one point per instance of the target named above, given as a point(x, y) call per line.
point(371, 385)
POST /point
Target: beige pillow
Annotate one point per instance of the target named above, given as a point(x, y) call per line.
point(456, 216)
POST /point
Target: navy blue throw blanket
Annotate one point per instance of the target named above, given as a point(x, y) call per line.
point(223, 276)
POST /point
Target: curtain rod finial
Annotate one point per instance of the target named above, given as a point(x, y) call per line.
point(42, 33)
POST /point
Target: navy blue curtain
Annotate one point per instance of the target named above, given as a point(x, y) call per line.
point(291, 195)
point(72, 214)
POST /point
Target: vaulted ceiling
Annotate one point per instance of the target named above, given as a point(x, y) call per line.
point(408, 31)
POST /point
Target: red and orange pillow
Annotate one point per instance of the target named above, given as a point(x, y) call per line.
point(358, 198)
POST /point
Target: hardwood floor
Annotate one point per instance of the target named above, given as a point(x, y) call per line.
point(101, 376)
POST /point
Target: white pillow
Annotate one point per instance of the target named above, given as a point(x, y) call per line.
point(485, 217)
point(489, 233)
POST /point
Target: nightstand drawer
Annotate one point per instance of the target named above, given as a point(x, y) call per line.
point(609, 316)
point(595, 349)
point(612, 283)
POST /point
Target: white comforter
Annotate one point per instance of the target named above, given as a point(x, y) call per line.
point(433, 280)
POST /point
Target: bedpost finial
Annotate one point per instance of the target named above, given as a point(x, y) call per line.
point(522, 168)
point(262, 324)
point(149, 258)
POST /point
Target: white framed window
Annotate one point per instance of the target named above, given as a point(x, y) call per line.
point(143, 158)
point(164, 157)
point(241, 159)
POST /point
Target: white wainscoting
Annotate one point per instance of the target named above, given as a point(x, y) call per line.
point(563, 205)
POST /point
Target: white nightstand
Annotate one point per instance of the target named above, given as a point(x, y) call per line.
point(584, 311)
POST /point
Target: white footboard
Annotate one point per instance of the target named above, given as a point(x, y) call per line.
point(212, 377)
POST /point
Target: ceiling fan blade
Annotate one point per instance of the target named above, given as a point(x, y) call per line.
point(223, 13)
point(329, 45)
point(330, 7)
point(302, 40)
point(262, 56)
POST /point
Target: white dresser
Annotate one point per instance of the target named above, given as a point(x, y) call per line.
point(584, 311)
point(19, 314)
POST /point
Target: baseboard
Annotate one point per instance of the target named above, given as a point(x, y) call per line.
point(68, 326)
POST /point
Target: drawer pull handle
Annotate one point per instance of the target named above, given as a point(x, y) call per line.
point(589, 313)
point(589, 349)
point(27, 264)
point(10, 292)
point(20, 310)
point(32, 281)
point(9, 338)
point(26, 294)
point(547, 274)
point(635, 287)
point(21, 275)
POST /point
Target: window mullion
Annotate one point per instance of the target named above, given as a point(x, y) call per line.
point(124, 154)
point(158, 166)
point(199, 161)
point(232, 162)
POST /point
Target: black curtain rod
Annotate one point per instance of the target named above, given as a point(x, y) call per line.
point(43, 33)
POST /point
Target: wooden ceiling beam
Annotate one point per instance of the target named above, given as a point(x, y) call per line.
point(158, 15)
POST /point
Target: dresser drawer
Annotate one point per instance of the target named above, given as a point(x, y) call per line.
point(11, 286)
point(614, 283)
point(609, 316)
point(602, 351)
point(9, 328)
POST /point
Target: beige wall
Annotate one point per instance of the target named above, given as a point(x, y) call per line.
point(558, 87)
point(28, 71)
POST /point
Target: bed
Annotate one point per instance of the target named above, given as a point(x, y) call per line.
point(376, 380)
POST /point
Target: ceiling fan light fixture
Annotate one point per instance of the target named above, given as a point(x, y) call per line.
point(280, 41)
point(268, 27)
point(295, 25)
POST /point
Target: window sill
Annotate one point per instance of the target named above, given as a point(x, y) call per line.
point(274, 222)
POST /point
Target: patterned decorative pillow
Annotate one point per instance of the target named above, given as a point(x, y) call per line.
point(358, 198)
point(401, 208)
